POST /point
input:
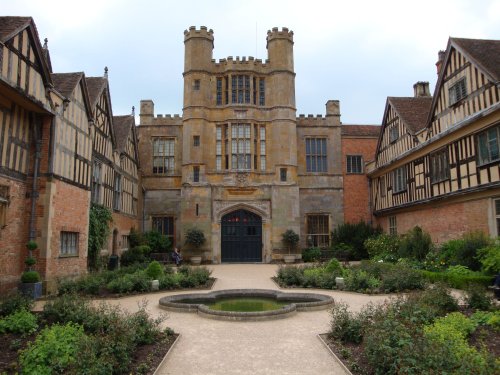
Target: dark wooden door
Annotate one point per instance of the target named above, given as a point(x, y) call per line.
point(241, 237)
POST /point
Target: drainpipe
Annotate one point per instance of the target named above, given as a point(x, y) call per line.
point(34, 190)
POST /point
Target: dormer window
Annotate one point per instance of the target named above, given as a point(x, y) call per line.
point(457, 91)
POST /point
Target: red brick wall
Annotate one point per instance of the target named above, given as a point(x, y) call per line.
point(69, 211)
point(356, 192)
point(121, 223)
point(14, 236)
point(444, 222)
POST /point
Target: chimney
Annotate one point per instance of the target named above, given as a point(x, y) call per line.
point(440, 61)
point(147, 112)
point(421, 89)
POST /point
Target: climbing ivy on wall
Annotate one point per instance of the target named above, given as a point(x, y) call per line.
point(99, 219)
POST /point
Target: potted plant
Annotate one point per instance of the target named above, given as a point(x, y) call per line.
point(30, 279)
point(195, 238)
point(290, 239)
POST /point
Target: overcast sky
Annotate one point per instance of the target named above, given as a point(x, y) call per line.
point(358, 52)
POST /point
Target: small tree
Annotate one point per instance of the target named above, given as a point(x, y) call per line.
point(30, 276)
point(290, 239)
point(99, 219)
point(195, 238)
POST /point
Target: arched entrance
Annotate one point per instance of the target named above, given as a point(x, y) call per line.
point(241, 237)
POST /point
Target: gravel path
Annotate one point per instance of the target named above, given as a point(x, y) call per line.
point(285, 346)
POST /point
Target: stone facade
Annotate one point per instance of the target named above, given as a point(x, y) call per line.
point(239, 145)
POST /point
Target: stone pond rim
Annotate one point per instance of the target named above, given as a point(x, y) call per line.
point(298, 302)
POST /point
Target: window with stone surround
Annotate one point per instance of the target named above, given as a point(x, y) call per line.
point(196, 174)
point(196, 85)
point(393, 227)
point(283, 173)
point(489, 145)
point(318, 231)
point(240, 146)
point(163, 155)
point(440, 169)
point(165, 225)
point(354, 164)
point(244, 89)
point(316, 155)
point(69, 244)
point(262, 151)
point(196, 140)
point(218, 147)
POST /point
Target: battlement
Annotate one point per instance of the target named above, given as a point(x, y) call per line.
point(166, 120)
point(311, 120)
point(203, 32)
point(275, 33)
point(249, 61)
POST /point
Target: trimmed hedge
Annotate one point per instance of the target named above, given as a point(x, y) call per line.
point(455, 280)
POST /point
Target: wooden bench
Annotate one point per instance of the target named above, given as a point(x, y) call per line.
point(163, 258)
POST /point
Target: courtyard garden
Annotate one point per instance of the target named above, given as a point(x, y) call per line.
point(73, 336)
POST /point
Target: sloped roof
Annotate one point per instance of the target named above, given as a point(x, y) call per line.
point(483, 52)
point(413, 112)
point(361, 130)
point(10, 26)
point(121, 127)
point(95, 85)
point(65, 83)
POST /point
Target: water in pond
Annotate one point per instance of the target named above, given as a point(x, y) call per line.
point(247, 304)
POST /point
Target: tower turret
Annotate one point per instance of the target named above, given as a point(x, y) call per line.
point(280, 48)
point(198, 47)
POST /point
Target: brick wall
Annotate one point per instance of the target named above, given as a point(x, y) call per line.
point(14, 236)
point(443, 222)
point(356, 191)
point(67, 210)
point(122, 224)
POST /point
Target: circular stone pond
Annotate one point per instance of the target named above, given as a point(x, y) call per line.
point(246, 304)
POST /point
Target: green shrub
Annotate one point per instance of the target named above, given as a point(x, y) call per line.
point(195, 237)
point(438, 297)
point(455, 280)
point(458, 270)
point(157, 242)
point(121, 285)
point(345, 326)
point(134, 255)
point(21, 321)
point(290, 239)
point(311, 254)
point(199, 275)
point(15, 302)
point(334, 266)
point(383, 246)
point(477, 297)
point(138, 281)
point(464, 251)
point(53, 351)
point(68, 308)
point(154, 270)
point(401, 278)
point(490, 318)
point(168, 281)
point(489, 257)
point(343, 251)
point(415, 244)
point(360, 281)
point(355, 235)
point(290, 275)
point(30, 277)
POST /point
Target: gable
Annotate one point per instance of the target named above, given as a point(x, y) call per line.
point(464, 88)
point(396, 136)
point(22, 64)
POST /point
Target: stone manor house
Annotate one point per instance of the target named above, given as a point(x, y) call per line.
point(239, 164)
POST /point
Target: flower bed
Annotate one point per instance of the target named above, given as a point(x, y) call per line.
point(423, 333)
point(137, 279)
point(72, 336)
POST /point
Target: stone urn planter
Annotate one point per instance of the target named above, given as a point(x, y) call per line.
point(196, 260)
point(155, 285)
point(289, 258)
point(339, 281)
